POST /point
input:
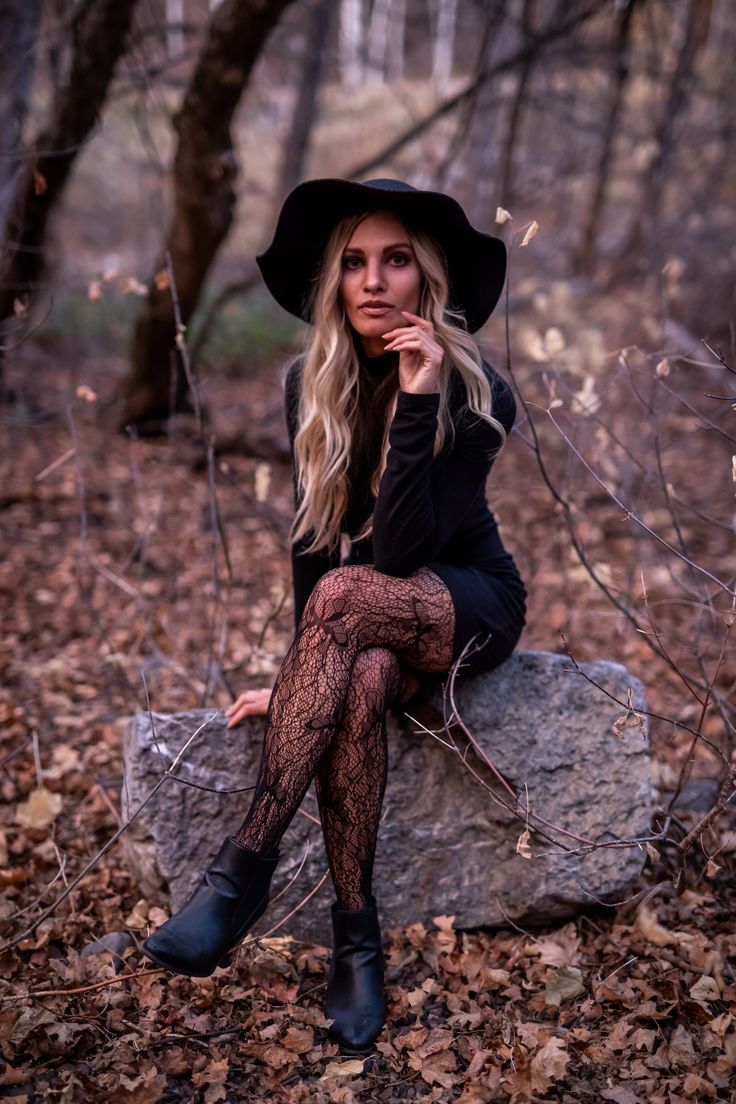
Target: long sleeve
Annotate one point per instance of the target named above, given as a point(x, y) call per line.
point(306, 567)
point(422, 500)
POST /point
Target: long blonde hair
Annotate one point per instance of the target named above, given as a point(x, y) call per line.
point(329, 387)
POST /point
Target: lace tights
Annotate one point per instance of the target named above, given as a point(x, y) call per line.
point(360, 636)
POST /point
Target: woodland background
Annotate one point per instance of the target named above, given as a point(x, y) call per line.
point(146, 147)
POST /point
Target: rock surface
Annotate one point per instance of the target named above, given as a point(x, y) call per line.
point(446, 847)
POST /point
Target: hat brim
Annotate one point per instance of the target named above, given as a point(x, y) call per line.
point(476, 261)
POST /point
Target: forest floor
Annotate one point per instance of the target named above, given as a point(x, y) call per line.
point(110, 573)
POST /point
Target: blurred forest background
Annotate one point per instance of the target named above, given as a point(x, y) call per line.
point(145, 150)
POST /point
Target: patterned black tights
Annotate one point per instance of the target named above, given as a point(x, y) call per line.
point(326, 720)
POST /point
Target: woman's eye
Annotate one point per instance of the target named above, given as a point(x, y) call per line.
point(350, 263)
point(400, 259)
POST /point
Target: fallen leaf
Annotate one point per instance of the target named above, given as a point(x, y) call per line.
point(565, 983)
point(147, 1088)
point(40, 809)
point(352, 1068)
point(438, 1039)
point(681, 1050)
point(705, 989)
point(621, 1095)
point(278, 1057)
point(548, 1064)
point(212, 1079)
point(651, 929)
point(435, 1069)
point(298, 1039)
point(138, 915)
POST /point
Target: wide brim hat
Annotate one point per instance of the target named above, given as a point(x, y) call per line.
point(476, 262)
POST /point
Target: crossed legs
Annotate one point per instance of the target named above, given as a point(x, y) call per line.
point(359, 637)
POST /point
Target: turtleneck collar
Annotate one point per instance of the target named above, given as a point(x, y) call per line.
point(377, 366)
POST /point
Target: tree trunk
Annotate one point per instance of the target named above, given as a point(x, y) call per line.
point(204, 172)
point(19, 20)
point(293, 161)
point(351, 38)
point(453, 171)
point(99, 44)
point(378, 39)
point(444, 42)
point(310, 78)
point(396, 39)
point(478, 189)
point(174, 24)
point(646, 229)
point(585, 259)
point(508, 144)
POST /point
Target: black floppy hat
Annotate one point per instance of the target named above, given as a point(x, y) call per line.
point(476, 262)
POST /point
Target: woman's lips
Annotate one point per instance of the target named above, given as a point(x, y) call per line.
point(376, 311)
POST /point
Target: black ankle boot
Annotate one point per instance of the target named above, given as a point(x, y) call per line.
point(355, 996)
point(232, 895)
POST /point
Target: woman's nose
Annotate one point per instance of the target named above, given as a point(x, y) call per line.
point(374, 276)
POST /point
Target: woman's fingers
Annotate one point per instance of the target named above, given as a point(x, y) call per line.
point(411, 334)
point(251, 703)
point(403, 331)
point(423, 323)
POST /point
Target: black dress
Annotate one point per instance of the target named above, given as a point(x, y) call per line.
point(429, 510)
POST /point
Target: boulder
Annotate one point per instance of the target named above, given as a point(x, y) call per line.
point(447, 846)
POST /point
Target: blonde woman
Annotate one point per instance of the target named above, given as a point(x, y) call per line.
point(394, 422)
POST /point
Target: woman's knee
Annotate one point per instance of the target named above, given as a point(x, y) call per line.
point(342, 588)
point(376, 666)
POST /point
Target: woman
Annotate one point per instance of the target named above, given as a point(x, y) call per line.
point(394, 422)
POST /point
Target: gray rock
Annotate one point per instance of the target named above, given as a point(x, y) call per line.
point(446, 846)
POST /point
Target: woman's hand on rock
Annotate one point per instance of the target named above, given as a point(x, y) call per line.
point(251, 703)
point(420, 355)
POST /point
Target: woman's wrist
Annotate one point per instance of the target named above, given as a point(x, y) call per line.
point(432, 392)
point(408, 396)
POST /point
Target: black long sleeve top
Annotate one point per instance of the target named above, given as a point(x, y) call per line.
point(428, 509)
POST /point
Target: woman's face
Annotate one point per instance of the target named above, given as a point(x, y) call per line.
point(380, 278)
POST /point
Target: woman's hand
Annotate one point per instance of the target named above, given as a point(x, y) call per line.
point(420, 356)
point(251, 703)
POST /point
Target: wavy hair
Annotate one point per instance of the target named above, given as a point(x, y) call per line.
point(328, 403)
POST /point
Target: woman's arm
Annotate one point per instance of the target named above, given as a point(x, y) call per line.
point(421, 499)
point(306, 567)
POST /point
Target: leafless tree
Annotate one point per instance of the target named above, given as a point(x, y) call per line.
point(204, 198)
point(620, 76)
point(99, 41)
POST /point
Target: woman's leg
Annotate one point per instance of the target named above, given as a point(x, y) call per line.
point(350, 609)
point(350, 779)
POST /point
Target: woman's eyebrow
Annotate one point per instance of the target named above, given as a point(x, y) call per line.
point(386, 248)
